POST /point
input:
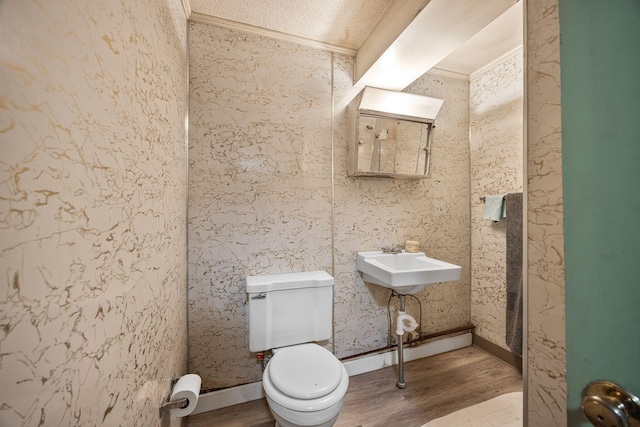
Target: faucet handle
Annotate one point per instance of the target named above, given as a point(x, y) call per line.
point(392, 249)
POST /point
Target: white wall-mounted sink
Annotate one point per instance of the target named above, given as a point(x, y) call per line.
point(406, 273)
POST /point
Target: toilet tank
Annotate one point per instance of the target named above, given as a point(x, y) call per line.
point(287, 309)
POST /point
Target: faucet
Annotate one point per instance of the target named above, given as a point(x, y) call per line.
point(392, 249)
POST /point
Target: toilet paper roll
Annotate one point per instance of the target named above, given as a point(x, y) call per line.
point(188, 386)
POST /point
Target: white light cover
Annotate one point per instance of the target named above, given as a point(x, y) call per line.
point(400, 104)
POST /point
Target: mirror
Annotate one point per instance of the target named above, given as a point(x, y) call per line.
point(392, 147)
point(390, 134)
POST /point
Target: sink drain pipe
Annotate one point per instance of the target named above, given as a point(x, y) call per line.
point(401, 328)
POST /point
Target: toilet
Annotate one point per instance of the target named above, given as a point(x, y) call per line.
point(305, 384)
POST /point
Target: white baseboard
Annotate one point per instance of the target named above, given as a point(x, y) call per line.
point(374, 362)
point(248, 392)
point(229, 397)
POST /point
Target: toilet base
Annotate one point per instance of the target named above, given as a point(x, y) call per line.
point(305, 419)
point(329, 423)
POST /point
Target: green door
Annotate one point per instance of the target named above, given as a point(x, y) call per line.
point(600, 83)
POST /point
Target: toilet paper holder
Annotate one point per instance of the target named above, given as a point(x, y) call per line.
point(166, 407)
point(182, 400)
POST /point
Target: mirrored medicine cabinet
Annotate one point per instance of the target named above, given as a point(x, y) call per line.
point(390, 134)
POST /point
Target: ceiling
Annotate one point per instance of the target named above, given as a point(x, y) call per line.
point(499, 38)
point(347, 23)
point(344, 23)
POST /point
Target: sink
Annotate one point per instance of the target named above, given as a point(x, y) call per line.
point(406, 273)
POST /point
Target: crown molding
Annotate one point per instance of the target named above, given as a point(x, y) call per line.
point(448, 73)
point(186, 6)
point(277, 35)
point(514, 52)
point(463, 76)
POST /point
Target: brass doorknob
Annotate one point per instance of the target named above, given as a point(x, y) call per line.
point(606, 404)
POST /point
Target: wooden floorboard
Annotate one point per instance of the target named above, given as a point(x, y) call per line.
point(436, 386)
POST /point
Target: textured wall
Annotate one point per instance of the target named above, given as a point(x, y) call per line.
point(495, 133)
point(261, 196)
point(546, 359)
point(259, 183)
point(92, 210)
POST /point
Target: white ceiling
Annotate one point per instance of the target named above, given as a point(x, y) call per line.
point(346, 24)
point(497, 39)
point(343, 23)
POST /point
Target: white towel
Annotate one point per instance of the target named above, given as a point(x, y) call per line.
point(495, 208)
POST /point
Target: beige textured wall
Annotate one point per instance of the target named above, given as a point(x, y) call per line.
point(92, 210)
point(260, 182)
point(546, 359)
point(495, 133)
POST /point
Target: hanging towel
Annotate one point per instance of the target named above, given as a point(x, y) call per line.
point(514, 263)
point(494, 208)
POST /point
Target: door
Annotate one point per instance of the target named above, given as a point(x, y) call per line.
point(600, 84)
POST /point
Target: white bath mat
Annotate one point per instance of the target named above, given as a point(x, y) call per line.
point(501, 411)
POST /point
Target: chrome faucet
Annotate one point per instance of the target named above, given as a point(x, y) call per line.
point(392, 249)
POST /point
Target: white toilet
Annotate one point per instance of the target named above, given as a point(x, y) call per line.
point(305, 384)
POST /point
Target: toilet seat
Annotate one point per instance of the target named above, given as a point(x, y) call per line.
point(327, 392)
point(305, 371)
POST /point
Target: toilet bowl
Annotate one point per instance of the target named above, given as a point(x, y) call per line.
point(305, 386)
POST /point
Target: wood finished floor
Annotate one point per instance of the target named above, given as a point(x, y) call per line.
point(436, 386)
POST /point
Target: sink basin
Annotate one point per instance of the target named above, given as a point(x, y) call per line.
point(406, 273)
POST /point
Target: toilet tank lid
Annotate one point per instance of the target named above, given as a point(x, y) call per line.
point(279, 282)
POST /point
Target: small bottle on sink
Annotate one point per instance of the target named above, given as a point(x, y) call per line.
point(411, 246)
